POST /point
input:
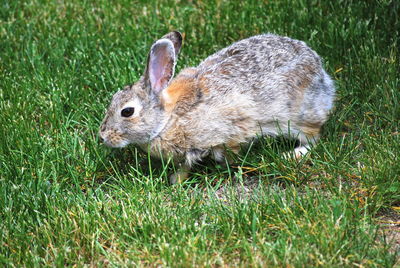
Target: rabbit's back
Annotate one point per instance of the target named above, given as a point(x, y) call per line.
point(265, 53)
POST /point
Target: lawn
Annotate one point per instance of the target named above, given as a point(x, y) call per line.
point(67, 200)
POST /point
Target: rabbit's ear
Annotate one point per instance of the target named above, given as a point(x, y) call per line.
point(161, 61)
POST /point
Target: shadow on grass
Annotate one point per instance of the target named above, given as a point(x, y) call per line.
point(252, 163)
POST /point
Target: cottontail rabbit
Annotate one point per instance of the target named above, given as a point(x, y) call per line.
point(263, 85)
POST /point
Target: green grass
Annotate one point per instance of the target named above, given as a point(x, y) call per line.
point(65, 199)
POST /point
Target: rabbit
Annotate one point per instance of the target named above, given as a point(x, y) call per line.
point(263, 85)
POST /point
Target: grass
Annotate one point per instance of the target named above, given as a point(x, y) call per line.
point(67, 200)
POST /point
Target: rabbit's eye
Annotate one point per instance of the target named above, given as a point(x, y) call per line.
point(126, 112)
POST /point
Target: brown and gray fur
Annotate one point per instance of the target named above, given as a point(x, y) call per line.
point(263, 85)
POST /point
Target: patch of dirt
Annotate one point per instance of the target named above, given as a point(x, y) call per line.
point(389, 220)
point(243, 189)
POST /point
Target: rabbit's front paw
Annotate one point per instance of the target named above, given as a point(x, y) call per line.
point(180, 175)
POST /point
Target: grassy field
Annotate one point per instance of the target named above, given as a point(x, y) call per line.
point(66, 200)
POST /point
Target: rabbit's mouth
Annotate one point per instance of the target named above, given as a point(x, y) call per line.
point(114, 141)
point(120, 144)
